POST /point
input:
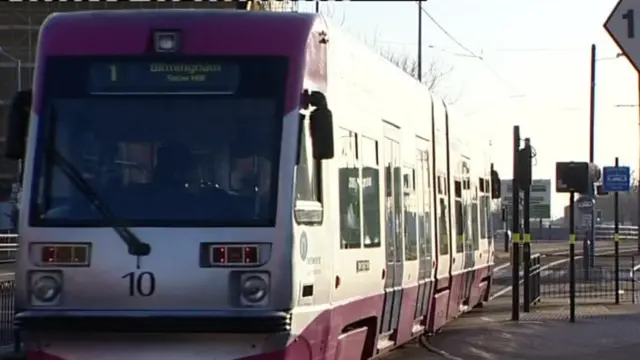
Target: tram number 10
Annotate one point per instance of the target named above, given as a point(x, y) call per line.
point(141, 283)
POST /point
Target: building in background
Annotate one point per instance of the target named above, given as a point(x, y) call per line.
point(19, 28)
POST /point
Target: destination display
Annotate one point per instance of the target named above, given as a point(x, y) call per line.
point(155, 77)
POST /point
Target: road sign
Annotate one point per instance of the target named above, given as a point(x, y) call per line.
point(616, 178)
point(540, 197)
point(622, 28)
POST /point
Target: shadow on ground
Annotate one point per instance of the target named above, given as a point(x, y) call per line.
point(601, 331)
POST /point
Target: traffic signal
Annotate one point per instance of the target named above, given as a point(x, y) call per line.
point(524, 166)
point(495, 184)
point(576, 177)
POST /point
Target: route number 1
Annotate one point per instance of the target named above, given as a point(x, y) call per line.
point(631, 30)
point(141, 284)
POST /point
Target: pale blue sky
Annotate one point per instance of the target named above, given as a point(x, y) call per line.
point(535, 72)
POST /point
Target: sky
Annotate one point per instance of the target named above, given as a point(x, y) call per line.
point(534, 72)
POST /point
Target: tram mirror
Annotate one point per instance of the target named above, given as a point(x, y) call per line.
point(321, 123)
point(17, 125)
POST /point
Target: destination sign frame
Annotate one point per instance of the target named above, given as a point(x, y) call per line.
point(136, 76)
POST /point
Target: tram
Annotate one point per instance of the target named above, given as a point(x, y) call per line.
point(232, 185)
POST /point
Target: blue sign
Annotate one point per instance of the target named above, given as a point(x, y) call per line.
point(616, 178)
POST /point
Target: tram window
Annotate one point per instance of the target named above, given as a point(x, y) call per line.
point(423, 188)
point(421, 194)
point(484, 214)
point(409, 194)
point(350, 194)
point(389, 216)
point(308, 185)
point(459, 226)
point(474, 225)
point(443, 231)
point(370, 193)
point(397, 202)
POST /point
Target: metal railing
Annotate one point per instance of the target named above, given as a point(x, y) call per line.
point(592, 284)
point(8, 250)
point(533, 295)
point(627, 232)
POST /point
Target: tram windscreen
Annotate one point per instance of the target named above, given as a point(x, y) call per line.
point(163, 158)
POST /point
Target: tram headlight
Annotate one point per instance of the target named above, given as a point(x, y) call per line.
point(45, 288)
point(254, 288)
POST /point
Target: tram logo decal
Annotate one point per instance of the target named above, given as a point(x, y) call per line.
point(304, 246)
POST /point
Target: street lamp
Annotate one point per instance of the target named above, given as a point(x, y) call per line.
point(618, 55)
point(18, 66)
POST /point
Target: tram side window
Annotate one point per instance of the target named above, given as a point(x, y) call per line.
point(410, 205)
point(421, 194)
point(423, 199)
point(350, 195)
point(397, 202)
point(370, 193)
point(308, 175)
point(459, 217)
point(484, 214)
point(475, 218)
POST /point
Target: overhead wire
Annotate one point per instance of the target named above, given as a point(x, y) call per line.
point(513, 89)
point(451, 37)
point(445, 48)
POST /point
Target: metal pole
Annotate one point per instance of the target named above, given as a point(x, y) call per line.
point(592, 121)
point(419, 41)
point(505, 223)
point(616, 239)
point(515, 227)
point(592, 104)
point(317, 6)
point(638, 174)
point(506, 232)
point(526, 247)
point(572, 259)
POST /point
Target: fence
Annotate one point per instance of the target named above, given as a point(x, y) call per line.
point(605, 232)
point(8, 249)
point(531, 293)
point(596, 284)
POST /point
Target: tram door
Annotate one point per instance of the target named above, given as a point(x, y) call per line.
point(469, 232)
point(393, 230)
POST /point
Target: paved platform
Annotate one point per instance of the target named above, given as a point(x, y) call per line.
point(602, 330)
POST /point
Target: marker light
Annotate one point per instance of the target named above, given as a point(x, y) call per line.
point(64, 254)
point(234, 255)
point(166, 42)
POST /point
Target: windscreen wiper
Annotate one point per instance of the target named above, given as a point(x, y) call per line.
point(135, 246)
